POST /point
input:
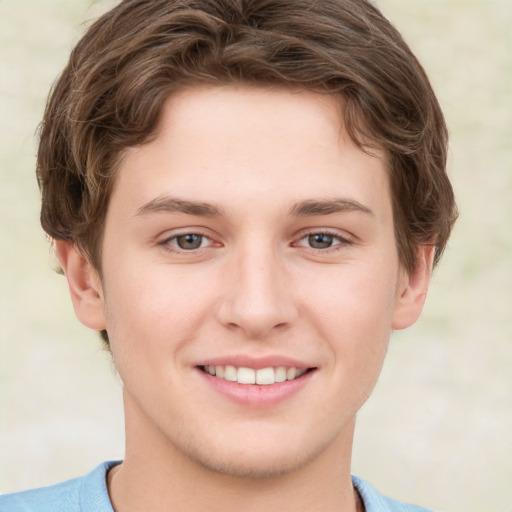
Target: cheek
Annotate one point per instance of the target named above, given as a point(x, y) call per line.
point(154, 311)
point(354, 313)
point(361, 296)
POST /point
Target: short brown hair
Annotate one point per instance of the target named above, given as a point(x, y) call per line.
point(110, 95)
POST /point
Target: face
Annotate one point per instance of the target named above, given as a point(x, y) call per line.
point(250, 279)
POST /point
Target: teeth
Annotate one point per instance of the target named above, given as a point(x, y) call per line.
point(265, 376)
point(246, 376)
point(219, 371)
point(230, 373)
point(280, 374)
point(262, 376)
point(291, 373)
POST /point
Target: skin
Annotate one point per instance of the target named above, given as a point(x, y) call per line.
point(255, 160)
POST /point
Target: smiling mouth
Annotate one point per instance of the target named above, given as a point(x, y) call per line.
point(261, 376)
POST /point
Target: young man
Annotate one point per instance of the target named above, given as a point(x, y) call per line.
point(246, 198)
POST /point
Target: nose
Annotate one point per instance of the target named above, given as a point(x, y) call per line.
point(257, 298)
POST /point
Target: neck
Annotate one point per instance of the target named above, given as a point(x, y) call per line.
point(157, 476)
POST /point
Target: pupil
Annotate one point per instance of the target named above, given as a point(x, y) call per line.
point(320, 241)
point(189, 241)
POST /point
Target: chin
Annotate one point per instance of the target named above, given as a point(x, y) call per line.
point(253, 467)
point(256, 460)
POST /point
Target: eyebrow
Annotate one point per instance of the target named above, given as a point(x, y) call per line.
point(313, 207)
point(169, 204)
point(309, 207)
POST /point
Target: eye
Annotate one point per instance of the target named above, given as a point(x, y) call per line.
point(188, 241)
point(322, 240)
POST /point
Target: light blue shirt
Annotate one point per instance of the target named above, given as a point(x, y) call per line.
point(89, 494)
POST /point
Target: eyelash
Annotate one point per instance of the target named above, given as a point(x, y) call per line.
point(171, 247)
point(341, 240)
point(170, 243)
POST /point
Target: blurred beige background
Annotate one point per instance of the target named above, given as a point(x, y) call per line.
point(438, 430)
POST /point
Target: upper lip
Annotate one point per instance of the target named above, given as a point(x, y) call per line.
point(240, 360)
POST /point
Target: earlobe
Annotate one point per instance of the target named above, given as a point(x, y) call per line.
point(84, 285)
point(413, 290)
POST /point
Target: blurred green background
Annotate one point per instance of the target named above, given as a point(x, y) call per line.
point(438, 430)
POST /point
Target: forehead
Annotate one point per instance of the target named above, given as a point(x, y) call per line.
point(237, 145)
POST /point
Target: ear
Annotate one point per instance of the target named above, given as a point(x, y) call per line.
point(412, 290)
point(84, 285)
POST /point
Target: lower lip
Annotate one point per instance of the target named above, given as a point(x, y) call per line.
point(255, 395)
